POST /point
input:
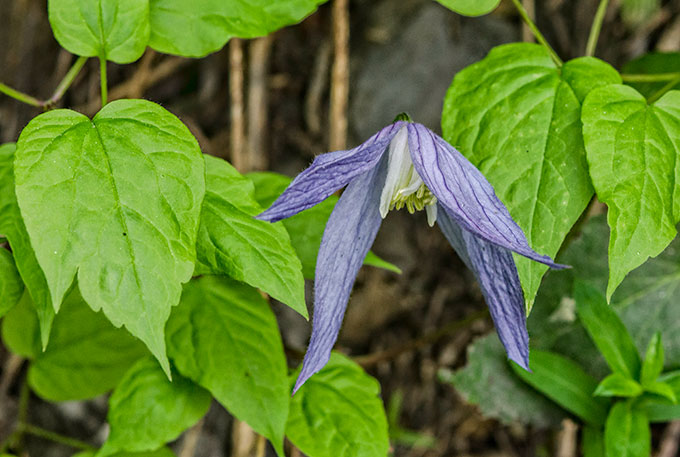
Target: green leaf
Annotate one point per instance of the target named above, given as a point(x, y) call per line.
point(338, 413)
point(661, 412)
point(626, 432)
point(11, 287)
point(146, 410)
point(606, 330)
point(232, 242)
point(488, 381)
point(592, 442)
point(20, 329)
point(86, 355)
point(471, 7)
point(636, 12)
point(162, 452)
point(305, 228)
point(663, 390)
point(12, 226)
point(116, 30)
point(122, 197)
point(653, 63)
point(652, 366)
point(618, 385)
point(177, 27)
point(516, 117)
point(566, 383)
point(225, 337)
point(632, 152)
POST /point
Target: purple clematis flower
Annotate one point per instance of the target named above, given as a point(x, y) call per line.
point(406, 164)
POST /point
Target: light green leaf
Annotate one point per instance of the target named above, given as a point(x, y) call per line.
point(652, 366)
point(618, 385)
point(162, 452)
point(338, 413)
point(122, 196)
point(12, 226)
point(573, 392)
point(195, 28)
point(86, 355)
point(592, 443)
point(146, 410)
point(116, 30)
point(232, 242)
point(305, 228)
point(653, 63)
point(661, 412)
point(516, 117)
point(633, 153)
point(11, 287)
point(225, 337)
point(663, 390)
point(606, 330)
point(20, 329)
point(626, 432)
point(488, 381)
point(471, 7)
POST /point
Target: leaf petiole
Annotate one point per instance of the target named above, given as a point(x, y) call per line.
point(649, 78)
point(596, 27)
point(661, 92)
point(104, 84)
point(537, 33)
point(22, 97)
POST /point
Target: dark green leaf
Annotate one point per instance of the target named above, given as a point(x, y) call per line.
point(662, 412)
point(632, 152)
point(516, 116)
point(146, 410)
point(488, 381)
point(12, 226)
point(232, 242)
point(606, 330)
point(11, 287)
point(20, 329)
point(626, 432)
point(224, 337)
point(122, 197)
point(592, 442)
point(653, 63)
point(162, 452)
point(565, 383)
point(471, 7)
point(306, 228)
point(116, 30)
point(618, 385)
point(177, 27)
point(652, 366)
point(338, 413)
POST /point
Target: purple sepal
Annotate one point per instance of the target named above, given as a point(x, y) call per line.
point(496, 273)
point(349, 234)
point(466, 194)
point(328, 173)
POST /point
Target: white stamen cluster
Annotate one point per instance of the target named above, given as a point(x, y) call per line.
point(403, 186)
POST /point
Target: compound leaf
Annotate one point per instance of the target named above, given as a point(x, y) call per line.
point(116, 200)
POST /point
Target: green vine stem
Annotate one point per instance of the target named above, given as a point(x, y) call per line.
point(58, 93)
point(104, 84)
point(649, 78)
point(537, 33)
point(596, 27)
point(660, 93)
point(55, 437)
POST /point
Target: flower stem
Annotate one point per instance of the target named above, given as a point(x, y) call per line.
point(55, 437)
point(660, 93)
point(596, 27)
point(67, 81)
point(537, 33)
point(22, 97)
point(104, 85)
point(649, 78)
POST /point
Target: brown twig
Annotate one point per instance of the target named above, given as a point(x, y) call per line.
point(258, 102)
point(339, 76)
point(530, 7)
point(190, 440)
point(238, 156)
point(566, 439)
point(669, 441)
point(317, 86)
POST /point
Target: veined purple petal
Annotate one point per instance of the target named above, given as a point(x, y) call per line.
point(496, 273)
point(466, 194)
point(349, 234)
point(328, 173)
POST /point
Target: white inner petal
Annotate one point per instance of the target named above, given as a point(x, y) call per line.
point(399, 169)
point(431, 211)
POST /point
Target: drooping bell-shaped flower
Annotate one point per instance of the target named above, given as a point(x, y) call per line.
point(407, 165)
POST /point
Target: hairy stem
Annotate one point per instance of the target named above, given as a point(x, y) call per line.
point(104, 85)
point(17, 95)
point(537, 33)
point(596, 27)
